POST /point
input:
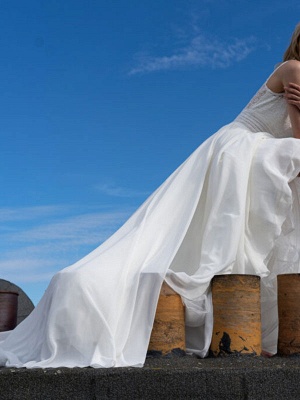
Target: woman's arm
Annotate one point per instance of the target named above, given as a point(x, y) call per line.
point(292, 94)
point(291, 73)
point(294, 114)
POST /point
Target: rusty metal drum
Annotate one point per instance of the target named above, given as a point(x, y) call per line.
point(288, 287)
point(168, 332)
point(8, 310)
point(25, 305)
point(237, 315)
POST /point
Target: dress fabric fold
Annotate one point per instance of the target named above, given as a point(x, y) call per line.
point(231, 207)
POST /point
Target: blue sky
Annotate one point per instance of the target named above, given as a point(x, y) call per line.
point(102, 100)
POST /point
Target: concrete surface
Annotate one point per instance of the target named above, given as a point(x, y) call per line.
point(161, 378)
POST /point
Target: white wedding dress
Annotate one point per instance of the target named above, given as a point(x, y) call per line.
point(231, 207)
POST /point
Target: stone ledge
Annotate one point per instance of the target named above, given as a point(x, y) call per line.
point(161, 378)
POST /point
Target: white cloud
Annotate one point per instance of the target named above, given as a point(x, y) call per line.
point(29, 276)
point(32, 250)
point(199, 52)
point(119, 191)
point(14, 265)
point(9, 214)
point(76, 229)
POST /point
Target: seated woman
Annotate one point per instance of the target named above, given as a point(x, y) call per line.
point(231, 207)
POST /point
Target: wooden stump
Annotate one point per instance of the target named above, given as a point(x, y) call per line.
point(168, 332)
point(237, 317)
point(288, 286)
point(8, 310)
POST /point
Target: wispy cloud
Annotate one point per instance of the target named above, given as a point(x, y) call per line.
point(32, 249)
point(10, 214)
point(119, 191)
point(79, 229)
point(14, 265)
point(199, 52)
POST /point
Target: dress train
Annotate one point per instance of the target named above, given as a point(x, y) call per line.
point(231, 207)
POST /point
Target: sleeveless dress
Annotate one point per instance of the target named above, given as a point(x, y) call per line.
point(231, 207)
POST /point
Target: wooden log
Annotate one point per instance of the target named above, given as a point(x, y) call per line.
point(288, 287)
point(237, 316)
point(8, 310)
point(168, 332)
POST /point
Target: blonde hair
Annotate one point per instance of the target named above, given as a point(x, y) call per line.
point(293, 51)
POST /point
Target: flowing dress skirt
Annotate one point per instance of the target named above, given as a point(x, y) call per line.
point(231, 207)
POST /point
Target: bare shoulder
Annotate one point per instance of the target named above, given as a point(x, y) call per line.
point(292, 64)
point(280, 77)
point(287, 72)
point(290, 71)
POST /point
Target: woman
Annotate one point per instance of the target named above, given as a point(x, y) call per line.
point(231, 207)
